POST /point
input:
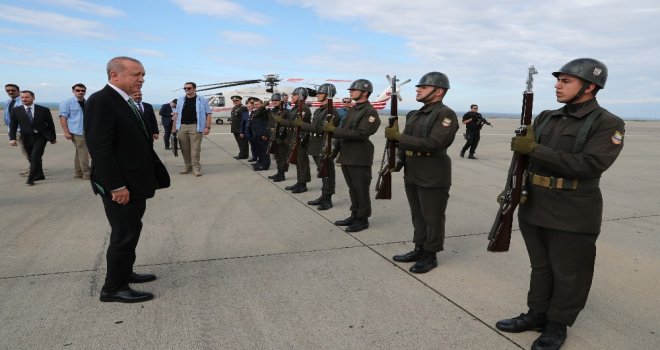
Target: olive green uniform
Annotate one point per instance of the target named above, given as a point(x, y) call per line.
point(315, 131)
point(356, 155)
point(236, 115)
point(427, 170)
point(561, 218)
point(302, 162)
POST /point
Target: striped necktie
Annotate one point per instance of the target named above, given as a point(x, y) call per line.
point(30, 116)
point(136, 114)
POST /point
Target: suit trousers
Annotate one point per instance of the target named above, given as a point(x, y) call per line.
point(262, 155)
point(35, 145)
point(81, 158)
point(562, 270)
point(126, 226)
point(303, 174)
point(243, 145)
point(358, 179)
point(327, 183)
point(167, 127)
point(427, 208)
point(190, 142)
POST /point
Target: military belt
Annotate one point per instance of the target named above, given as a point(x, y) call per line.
point(561, 183)
point(425, 154)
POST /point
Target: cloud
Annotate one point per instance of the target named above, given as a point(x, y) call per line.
point(223, 9)
point(55, 23)
point(147, 52)
point(85, 6)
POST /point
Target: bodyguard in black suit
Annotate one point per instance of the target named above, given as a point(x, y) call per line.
point(37, 128)
point(147, 113)
point(125, 172)
point(166, 119)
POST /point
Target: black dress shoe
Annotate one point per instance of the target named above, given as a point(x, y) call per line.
point(274, 175)
point(471, 156)
point(290, 188)
point(300, 189)
point(141, 277)
point(279, 178)
point(29, 182)
point(39, 178)
point(425, 264)
point(260, 168)
point(552, 338)
point(411, 256)
point(358, 225)
point(252, 160)
point(462, 154)
point(346, 222)
point(525, 322)
point(125, 296)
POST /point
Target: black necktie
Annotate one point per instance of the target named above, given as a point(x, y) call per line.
point(139, 104)
point(29, 114)
point(137, 115)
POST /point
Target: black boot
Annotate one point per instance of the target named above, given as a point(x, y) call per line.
point(346, 222)
point(278, 173)
point(427, 263)
point(326, 203)
point(300, 189)
point(279, 177)
point(525, 322)
point(412, 256)
point(552, 338)
point(471, 156)
point(317, 201)
point(289, 188)
point(358, 225)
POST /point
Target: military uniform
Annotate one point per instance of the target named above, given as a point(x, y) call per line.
point(561, 218)
point(427, 172)
point(236, 115)
point(303, 175)
point(280, 138)
point(357, 155)
point(316, 136)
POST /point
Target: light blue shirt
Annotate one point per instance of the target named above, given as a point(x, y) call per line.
point(201, 106)
point(6, 109)
point(71, 111)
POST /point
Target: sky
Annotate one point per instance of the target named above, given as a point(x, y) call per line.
point(484, 47)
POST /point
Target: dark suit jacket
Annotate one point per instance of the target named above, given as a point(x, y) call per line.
point(166, 115)
point(122, 154)
point(149, 118)
point(43, 122)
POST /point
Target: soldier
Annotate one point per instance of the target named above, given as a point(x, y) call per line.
point(357, 153)
point(302, 161)
point(473, 121)
point(569, 149)
point(316, 137)
point(279, 146)
point(236, 115)
point(427, 175)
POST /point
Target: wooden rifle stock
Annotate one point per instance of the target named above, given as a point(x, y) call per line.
point(500, 233)
point(295, 143)
point(384, 182)
point(325, 163)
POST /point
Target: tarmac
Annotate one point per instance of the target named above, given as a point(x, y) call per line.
point(244, 264)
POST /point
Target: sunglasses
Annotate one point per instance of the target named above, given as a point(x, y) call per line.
point(187, 88)
point(346, 101)
point(81, 90)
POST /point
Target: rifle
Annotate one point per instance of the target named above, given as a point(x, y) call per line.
point(516, 182)
point(326, 152)
point(295, 143)
point(384, 182)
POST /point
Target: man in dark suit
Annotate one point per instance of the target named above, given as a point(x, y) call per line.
point(166, 119)
point(125, 172)
point(147, 113)
point(37, 128)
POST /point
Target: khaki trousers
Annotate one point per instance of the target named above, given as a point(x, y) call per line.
point(190, 142)
point(81, 159)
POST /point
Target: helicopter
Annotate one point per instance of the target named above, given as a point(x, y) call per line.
point(221, 107)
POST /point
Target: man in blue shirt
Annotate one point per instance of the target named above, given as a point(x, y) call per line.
point(13, 91)
point(346, 105)
point(71, 119)
point(192, 122)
